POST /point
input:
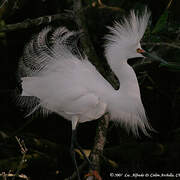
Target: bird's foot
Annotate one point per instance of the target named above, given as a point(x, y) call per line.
point(95, 174)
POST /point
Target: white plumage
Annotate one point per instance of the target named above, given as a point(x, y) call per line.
point(65, 82)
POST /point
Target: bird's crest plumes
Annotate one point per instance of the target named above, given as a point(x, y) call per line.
point(130, 30)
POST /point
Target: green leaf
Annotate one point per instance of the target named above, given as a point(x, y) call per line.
point(161, 23)
point(2, 23)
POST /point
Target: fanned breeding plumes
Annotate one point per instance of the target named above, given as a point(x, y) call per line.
point(130, 30)
point(55, 71)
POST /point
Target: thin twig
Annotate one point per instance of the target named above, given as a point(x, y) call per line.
point(3, 3)
point(23, 151)
point(4, 176)
point(22, 145)
point(103, 6)
point(100, 3)
point(169, 4)
point(80, 168)
point(112, 8)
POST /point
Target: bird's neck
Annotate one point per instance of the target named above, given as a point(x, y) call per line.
point(127, 79)
point(125, 105)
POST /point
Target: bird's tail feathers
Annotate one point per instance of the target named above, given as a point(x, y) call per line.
point(29, 105)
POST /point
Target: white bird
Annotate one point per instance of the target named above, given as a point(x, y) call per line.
point(65, 82)
point(73, 88)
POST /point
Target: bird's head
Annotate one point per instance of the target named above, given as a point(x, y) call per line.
point(124, 38)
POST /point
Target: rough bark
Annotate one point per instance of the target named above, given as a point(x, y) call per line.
point(29, 23)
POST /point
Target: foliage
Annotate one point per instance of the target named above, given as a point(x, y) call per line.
point(161, 23)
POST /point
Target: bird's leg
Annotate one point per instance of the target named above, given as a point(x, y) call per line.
point(75, 142)
point(73, 152)
point(84, 155)
point(73, 139)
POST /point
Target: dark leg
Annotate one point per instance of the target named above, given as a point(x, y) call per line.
point(84, 155)
point(73, 139)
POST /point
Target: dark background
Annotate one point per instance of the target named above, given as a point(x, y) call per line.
point(48, 139)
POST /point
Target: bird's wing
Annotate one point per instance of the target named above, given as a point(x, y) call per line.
point(66, 99)
point(57, 51)
point(58, 74)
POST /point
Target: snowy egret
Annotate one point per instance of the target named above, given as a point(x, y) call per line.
point(64, 81)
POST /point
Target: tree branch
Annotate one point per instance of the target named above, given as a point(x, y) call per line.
point(99, 143)
point(29, 23)
point(85, 40)
point(90, 51)
point(80, 168)
point(113, 8)
point(177, 46)
point(44, 20)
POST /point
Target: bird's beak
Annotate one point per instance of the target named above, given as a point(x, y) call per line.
point(139, 50)
point(151, 56)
